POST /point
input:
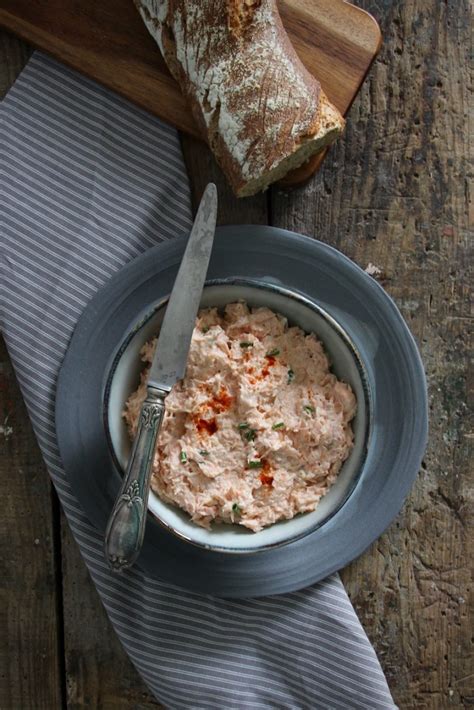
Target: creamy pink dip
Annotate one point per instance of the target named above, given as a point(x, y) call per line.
point(259, 427)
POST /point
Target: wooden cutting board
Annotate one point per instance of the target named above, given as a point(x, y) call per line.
point(107, 40)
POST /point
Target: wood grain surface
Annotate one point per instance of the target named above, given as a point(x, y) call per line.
point(393, 193)
point(30, 596)
point(109, 42)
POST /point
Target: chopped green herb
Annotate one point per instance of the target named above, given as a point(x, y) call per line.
point(272, 353)
point(255, 464)
point(205, 329)
point(203, 452)
point(183, 457)
point(291, 376)
point(236, 508)
point(251, 434)
point(278, 425)
point(244, 425)
point(246, 344)
point(310, 410)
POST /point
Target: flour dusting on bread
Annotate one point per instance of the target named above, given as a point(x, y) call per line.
point(259, 108)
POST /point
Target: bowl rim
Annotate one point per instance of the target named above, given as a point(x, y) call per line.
point(302, 299)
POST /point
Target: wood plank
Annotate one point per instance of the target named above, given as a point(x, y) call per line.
point(30, 629)
point(393, 193)
point(13, 56)
point(109, 42)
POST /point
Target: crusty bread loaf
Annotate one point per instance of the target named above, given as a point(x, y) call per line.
point(260, 110)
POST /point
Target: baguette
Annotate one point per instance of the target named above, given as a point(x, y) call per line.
point(260, 110)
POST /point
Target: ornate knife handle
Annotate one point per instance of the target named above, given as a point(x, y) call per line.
point(126, 526)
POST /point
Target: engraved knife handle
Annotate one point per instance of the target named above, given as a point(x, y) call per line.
point(126, 526)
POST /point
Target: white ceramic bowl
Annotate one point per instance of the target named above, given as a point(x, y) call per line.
point(345, 363)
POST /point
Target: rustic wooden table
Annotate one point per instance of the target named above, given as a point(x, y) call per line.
point(393, 193)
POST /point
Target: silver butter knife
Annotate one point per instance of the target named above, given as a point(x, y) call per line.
point(126, 526)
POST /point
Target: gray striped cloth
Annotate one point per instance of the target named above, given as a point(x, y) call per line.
point(88, 182)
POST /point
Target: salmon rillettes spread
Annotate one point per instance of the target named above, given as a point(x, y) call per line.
point(257, 430)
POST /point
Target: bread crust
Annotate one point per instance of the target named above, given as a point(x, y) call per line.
point(259, 108)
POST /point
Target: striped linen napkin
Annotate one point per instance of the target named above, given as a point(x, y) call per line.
point(88, 182)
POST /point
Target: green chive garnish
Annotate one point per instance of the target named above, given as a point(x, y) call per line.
point(255, 464)
point(272, 353)
point(203, 452)
point(183, 457)
point(246, 344)
point(279, 425)
point(309, 409)
point(291, 376)
point(205, 329)
point(236, 508)
point(251, 434)
point(244, 425)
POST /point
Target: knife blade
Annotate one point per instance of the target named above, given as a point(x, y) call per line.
point(171, 354)
point(126, 526)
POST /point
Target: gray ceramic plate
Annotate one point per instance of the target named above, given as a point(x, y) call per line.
point(395, 380)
